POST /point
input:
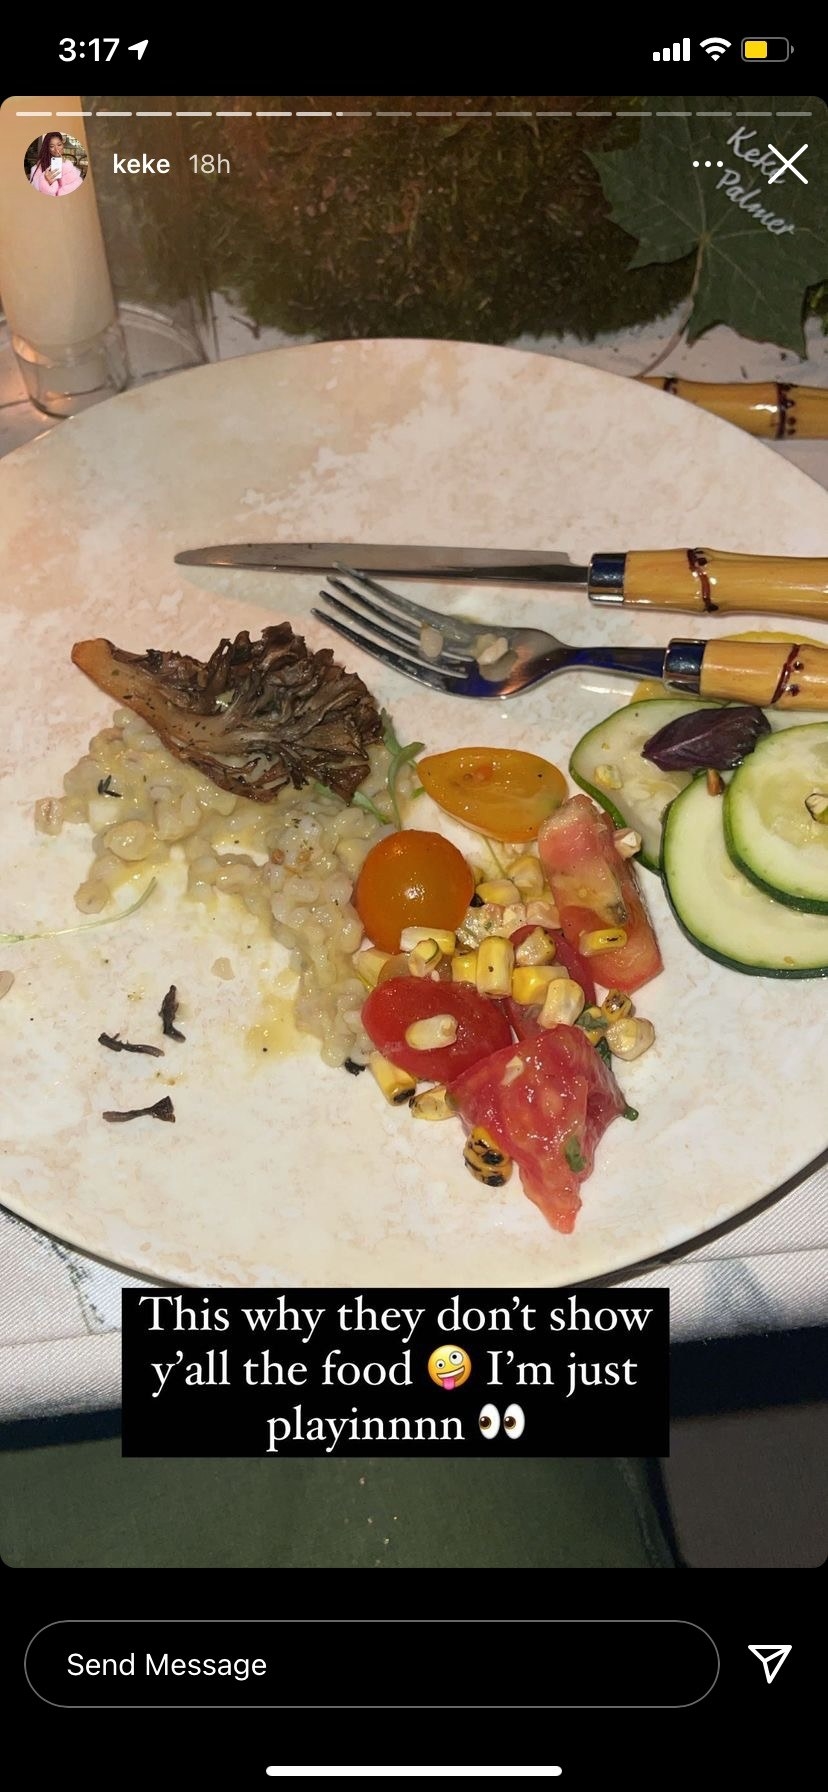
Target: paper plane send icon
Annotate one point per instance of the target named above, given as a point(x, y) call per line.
point(771, 1656)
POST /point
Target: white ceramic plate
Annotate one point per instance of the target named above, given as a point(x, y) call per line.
point(278, 1170)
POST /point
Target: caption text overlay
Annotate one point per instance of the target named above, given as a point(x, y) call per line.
point(433, 1372)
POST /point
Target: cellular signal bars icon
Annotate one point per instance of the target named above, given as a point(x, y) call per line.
point(679, 53)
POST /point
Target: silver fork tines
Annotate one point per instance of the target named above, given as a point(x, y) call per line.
point(409, 641)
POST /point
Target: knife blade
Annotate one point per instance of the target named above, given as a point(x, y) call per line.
point(534, 565)
point(695, 580)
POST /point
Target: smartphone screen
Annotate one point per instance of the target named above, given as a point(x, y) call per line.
point(414, 947)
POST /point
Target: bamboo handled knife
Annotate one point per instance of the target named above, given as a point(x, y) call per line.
point(691, 580)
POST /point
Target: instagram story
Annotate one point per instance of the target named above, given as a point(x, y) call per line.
point(413, 802)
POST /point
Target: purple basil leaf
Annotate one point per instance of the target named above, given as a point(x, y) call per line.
point(707, 738)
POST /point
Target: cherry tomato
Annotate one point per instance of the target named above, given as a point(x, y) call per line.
point(411, 879)
point(391, 1008)
point(499, 791)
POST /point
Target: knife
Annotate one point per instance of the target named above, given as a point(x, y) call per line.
point(700, 580)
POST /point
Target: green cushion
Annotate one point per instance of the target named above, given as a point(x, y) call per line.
point(83, 1505)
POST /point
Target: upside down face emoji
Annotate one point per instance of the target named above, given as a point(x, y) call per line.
point(449, 1365)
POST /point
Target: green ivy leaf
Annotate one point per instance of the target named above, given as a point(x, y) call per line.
point(748, 276)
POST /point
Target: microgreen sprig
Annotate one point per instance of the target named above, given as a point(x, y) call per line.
point(52, 933)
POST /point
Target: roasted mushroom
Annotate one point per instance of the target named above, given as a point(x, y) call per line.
point(256, 716)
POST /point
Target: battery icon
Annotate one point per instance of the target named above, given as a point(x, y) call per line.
point(765, 49)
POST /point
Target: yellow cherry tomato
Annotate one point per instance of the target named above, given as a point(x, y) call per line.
point(503, 793)
point(411, 879)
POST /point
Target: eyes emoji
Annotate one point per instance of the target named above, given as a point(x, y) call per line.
point(489, 1421)
point(514, 1421)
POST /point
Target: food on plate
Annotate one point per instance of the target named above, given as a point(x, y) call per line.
point(160, 1110)
point(546, 1102)
point(114, 1043)
point(720, 739)
point(601, 908)
point(269, 775)
point(413, 878)
point(446, 1017)
point(503, 793)
point(483, 1156)
point(433, 1031)
point(773, 814)
point(608, 764)
point(721, 910)
point(291, 863)
point(254, 717)
point(167, 1013)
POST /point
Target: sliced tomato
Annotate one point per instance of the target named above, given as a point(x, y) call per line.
point(549, 1119)
point(391, 1008)
point(503, 792)
point(594, 888)
point(522, 1019)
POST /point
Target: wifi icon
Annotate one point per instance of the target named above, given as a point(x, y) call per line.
point(715, 46)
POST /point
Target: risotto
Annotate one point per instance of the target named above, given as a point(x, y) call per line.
point(291, 862)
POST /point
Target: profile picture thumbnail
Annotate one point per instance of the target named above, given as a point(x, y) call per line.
point(56, 164)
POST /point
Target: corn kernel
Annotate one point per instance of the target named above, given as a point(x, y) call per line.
point(563, 1002)
point(433, 1104)
point(425, 958)
point(537, 948)
point(626, 842)
point(485, 1159)
point(396, 1085)
point(542, 912)
point(629, 1038)
point(482, 1145)
point(368, 965)
point(616, 1005)
point(495, 964)
point(412, 937)
point(601, 939)
point(527, 874)
point(513, 918)
point(530, 982)
point(464, 967)
point(500, 890)
point(429, 1034)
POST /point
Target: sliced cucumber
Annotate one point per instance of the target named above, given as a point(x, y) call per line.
point(769, 831)
point(720, 909)
point(607, 764)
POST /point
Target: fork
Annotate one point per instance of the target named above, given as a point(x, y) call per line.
point(764, 673)
point(529, 655)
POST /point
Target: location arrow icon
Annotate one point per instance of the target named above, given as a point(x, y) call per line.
point(771, 1656)
point(140, 48)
